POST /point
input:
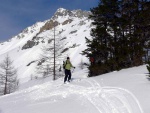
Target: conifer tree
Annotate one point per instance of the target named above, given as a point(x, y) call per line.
point(103, 44)
point(120, 35)
point(8, 76)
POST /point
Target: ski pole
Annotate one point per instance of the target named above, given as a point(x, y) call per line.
point(73, 70)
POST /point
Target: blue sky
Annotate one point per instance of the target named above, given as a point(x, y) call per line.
point(16, 15)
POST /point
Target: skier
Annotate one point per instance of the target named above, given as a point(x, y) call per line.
point(68, 67)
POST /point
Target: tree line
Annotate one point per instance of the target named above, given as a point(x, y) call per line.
point(120, 37)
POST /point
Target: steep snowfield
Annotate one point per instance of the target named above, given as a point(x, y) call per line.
point(125, 91)
point(73, 33)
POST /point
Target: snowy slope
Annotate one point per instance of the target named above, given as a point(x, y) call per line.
point(73, 27)
point(125, 91)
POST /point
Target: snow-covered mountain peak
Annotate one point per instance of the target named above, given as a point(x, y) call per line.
point(61, 12)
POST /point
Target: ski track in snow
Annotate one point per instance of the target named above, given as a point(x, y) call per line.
point(111, 99)
point(103, 99)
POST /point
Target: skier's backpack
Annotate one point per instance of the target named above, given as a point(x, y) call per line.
point(64, 64)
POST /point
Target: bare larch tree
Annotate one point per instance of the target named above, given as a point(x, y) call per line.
point(8, 76)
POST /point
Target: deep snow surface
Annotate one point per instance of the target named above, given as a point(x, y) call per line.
point(125, 91)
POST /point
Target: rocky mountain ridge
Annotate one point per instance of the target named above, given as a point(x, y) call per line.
point(75, 13)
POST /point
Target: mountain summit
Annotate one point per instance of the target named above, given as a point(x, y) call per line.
point(75, 13)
